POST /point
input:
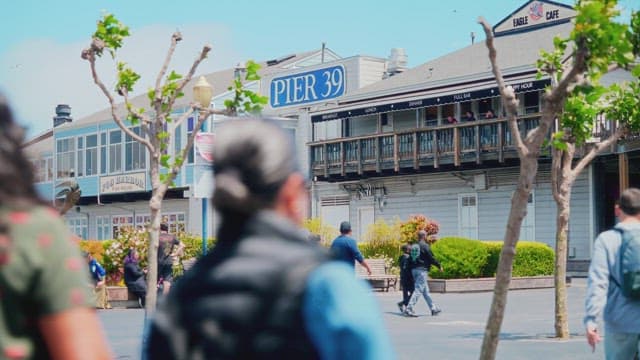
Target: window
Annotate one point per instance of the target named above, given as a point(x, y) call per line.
point(79, 226)
point(43, 169)
point(103, 225)
point(80, 168)
point(120, 221)
point(115, 151)
point(103, 153)
point(190, 126)
point(531, 102)
point(176, 221)
point(66, 153)
point(177, 140)
point(142, 221)
point(431, 116)
point(134, 152)
point(448, 110)
point(91, 160)
point(468, 210)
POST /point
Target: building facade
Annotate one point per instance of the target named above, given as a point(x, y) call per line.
point(434, 140)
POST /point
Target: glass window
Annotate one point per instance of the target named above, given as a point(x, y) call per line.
point(91, 160)
point(134, 152)
point(531, 102)
point(103, 153)
point(466, 111)
point(176, 221)
point(448, 110)
point(103, 225)
point(66, 154)
point(431, 116)
point(177, 140)
point(115, 151)
point(190, 125)
point(79, 226)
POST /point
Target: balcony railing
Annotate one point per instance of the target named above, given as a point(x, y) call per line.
point(471, 142)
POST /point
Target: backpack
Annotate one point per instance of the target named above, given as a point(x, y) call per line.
point(629, 263)
point(415, 252)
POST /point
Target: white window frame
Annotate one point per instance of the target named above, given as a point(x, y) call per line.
point(460, 206)
point(92, 154)
point(103, 227)
point(136, 147)
point(79, 225)
point(62, 157)
point(118, 151)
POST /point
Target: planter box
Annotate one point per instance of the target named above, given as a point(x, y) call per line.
point(487, 284)
point(120, 297)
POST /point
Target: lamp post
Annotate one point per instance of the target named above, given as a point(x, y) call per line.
point(202, 94)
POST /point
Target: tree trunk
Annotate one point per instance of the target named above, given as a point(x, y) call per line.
point(152, 256)
point(562, 229)
point(528, 171)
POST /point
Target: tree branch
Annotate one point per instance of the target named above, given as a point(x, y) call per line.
point(189, 76)
point(175, 38)
point(556, 165)
point(598, 148)
point(576, 70)
point(508, 95)
point(89, 55)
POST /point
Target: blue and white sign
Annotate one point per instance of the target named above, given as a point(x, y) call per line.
point(312, 86)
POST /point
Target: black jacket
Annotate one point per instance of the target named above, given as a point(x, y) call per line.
point(134, 277)
point(243, 300)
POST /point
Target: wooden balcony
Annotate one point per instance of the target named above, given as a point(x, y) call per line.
point(471, 144)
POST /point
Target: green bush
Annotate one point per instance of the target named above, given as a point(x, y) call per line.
point(460, 257)
point(532, 259)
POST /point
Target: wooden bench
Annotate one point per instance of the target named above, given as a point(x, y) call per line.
point(379, 277)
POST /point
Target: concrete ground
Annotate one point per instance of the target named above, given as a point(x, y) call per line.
point(456, 333)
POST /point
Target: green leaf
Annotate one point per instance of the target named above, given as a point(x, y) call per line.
point(164, 160)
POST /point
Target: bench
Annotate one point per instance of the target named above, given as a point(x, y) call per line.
point(379, 277)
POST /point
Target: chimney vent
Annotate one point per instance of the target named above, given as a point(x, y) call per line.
point(63, 115)
point(397, 61)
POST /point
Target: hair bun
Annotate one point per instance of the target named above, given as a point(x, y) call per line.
point(230, 192)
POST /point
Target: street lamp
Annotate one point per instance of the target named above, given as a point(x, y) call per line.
point(203, 93)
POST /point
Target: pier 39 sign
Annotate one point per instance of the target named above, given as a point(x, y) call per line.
point(307, 87)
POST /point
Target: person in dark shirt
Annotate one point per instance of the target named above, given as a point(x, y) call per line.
point(134, 276)
point(469, 116)
point(421, 261)
point(406, 279)
point(169, 249)
point(344, 248)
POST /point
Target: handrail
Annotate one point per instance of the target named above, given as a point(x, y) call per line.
point(465, 124)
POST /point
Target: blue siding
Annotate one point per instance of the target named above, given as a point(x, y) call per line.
point(75, 132)
point(45, 190)
point(89, 185)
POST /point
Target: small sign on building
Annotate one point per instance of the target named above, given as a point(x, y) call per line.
point(307, 87)
point(114, 184)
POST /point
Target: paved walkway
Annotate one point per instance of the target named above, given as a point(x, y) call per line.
point(455, 334)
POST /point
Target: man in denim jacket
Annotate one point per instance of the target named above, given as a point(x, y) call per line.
point(621, 314)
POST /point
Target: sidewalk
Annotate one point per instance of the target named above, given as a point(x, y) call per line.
point(456, 333)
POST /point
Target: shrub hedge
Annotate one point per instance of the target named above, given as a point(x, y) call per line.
point(460, 258)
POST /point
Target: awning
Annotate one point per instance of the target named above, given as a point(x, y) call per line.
point(433, 100)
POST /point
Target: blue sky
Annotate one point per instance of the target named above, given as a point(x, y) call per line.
point(40, 41)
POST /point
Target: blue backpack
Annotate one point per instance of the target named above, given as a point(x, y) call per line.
point(629, 263)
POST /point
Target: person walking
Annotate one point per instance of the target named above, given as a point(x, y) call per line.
point(604, 294)
point(46, 310)
point(406, 279)
point(344, 248)
point(421, 261)
point(265, 291)
point(99, 281)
